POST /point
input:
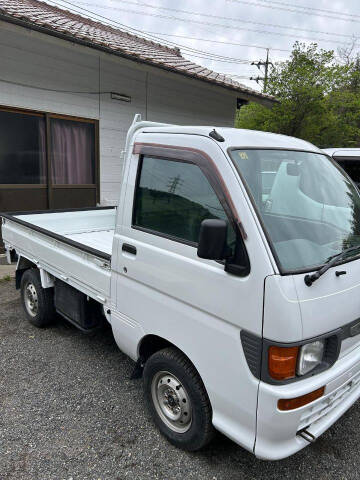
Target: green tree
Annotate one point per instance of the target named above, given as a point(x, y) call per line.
point(319, 99)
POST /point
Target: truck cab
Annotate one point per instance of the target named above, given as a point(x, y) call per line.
point(232, 282)
point(348, 159)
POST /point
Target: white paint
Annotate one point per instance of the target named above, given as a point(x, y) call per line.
point(94, 228)
point(167, 290)
point(47, 280)
point(343, 152)
point(87, 272)
point(32, 58)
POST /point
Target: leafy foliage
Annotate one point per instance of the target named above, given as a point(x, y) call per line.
point(319, 99)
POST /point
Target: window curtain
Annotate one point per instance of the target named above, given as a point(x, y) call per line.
point(42, 152)
point(73, 155)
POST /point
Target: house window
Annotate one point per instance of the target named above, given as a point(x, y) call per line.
point(73, 152)
point(173, 198)
point(47, 161)
point(22, 148)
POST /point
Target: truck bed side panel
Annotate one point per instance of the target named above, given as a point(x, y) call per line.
point(83, 270)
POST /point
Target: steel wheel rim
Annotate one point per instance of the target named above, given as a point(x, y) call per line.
point(171, 401)
point(31, 300)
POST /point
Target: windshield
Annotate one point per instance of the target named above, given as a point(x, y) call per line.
point(309, 209)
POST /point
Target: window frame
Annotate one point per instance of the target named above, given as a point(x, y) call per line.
point(48, 181)
point(212, 175)
point(135, 203)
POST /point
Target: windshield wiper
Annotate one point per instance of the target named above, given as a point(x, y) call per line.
point(310, 279)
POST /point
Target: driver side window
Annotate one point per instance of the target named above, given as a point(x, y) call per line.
point(173, 197)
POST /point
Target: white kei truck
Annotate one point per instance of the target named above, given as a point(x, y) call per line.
point(229, 272)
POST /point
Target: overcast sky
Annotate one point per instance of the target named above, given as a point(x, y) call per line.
point(264, 23)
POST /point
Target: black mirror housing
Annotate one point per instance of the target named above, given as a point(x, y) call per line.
point(212, 239)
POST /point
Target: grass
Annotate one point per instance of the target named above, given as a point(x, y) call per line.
point(7, 278)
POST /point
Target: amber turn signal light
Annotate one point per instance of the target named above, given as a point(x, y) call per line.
point(282, 362)
point(292, 403)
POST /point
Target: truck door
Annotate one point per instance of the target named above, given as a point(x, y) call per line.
point(162, 288)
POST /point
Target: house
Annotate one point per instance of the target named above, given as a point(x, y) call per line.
point(69, 89)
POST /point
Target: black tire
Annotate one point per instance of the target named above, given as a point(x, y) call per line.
point(170, 361)
point(44, 313)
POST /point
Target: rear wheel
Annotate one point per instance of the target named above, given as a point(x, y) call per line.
point(178, 400)
point(38, 303)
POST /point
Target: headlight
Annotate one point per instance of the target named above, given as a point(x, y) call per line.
point(310, 356)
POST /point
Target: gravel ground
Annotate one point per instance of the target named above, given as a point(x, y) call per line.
point(68, 411)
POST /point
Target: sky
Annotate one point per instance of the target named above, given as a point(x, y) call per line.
point(233, 30)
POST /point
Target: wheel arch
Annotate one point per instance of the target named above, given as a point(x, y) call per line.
point(151, 343)
point(23, 264)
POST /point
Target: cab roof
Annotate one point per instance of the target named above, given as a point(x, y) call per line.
point(236, 137)
point(343, 152)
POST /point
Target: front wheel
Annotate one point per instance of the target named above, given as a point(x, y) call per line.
point(38, 303)
point(178, 400)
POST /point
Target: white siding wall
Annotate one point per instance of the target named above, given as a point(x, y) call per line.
point(31, 58)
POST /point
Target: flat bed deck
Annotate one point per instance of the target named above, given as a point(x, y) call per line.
point(98, 240)
point(74, 245)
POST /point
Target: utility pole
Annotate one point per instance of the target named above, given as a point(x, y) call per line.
point(265, 64)
point(174, 182)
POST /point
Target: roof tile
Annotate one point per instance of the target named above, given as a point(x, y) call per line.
point(54, 19)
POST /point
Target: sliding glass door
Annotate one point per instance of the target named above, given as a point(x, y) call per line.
point(47, 161)
point(23, 161)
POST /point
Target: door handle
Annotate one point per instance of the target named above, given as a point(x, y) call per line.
point(126, 247)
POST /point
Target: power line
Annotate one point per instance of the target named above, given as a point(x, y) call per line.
point(209, 40)
point(111, 23)
point(197, 53)
point(241, 62)
point(234, 75)
point(274, 7)
point(147, 34)
point(199, 22)
point(202, 14)
point(305, 7)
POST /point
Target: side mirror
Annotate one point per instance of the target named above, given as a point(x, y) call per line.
point(212, 239)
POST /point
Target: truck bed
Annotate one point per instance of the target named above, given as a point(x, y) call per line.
point(73, 245)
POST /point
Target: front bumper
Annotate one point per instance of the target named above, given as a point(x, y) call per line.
point(276, 436)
